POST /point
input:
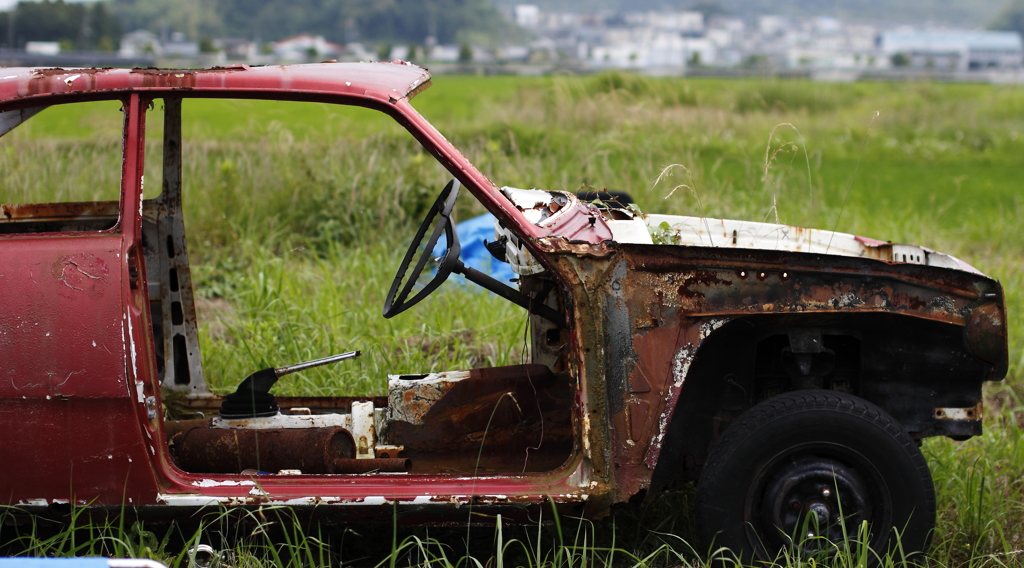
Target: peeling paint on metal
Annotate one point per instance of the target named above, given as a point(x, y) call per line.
point(975, 412)
point(709, 326)
point(34, 503)
point(680, 367)
point(221, 483)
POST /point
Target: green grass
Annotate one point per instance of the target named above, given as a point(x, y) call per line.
point(298, 215)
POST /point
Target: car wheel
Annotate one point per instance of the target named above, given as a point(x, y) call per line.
point(802, 473)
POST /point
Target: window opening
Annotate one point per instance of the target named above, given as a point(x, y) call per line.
point(62, 168)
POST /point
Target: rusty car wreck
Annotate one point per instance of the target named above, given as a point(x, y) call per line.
point(789, 372)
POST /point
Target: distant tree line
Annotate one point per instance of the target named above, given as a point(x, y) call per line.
point(341, 21)
point(1010, 18)
point(75, 25)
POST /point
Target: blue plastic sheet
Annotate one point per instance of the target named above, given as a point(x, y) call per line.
point(472, 233)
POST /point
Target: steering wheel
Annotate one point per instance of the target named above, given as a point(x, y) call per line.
point(438, 217)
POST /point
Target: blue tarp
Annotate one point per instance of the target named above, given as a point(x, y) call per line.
point(472, 233)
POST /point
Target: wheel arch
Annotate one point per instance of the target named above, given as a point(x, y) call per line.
point(909, 366)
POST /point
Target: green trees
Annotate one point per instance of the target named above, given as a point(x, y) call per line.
point(74, 25)
point(377, 21)
point(1010, 18)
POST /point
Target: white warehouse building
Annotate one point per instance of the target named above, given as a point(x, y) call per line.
point(955, 50)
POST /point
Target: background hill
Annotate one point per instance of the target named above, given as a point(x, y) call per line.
point(337, 20)
point(976, 13)
point(99, 25)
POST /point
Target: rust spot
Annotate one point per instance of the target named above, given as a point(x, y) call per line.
point(704, 278)
point(168, 78)
point(500, 419)
point(972, 413)
point(986, 335)
point(42, 81)
point(560, 245)
point(180, 78)
point(58, 217)
point(53, 71)
point(911, 302)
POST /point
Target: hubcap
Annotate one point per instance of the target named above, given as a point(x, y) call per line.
point(809, 497)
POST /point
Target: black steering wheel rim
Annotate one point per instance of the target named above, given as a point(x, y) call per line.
point(397, 300)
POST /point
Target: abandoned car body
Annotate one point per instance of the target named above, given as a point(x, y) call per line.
point(788, 371)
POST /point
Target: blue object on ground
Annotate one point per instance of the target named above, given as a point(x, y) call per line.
point(472, 233)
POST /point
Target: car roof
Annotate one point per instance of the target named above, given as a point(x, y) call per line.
point(384, 82)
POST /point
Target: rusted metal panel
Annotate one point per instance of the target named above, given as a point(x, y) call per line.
point(411, 397)
point(986, 334)
point(650, 308)
point(13, 213)
point(58, 217)
point(502, 421)
point(170, 271)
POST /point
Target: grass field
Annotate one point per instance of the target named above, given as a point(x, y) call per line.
point(298, 215)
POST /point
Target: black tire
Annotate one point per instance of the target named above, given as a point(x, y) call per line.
point(798, 459)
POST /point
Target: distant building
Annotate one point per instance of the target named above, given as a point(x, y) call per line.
point(824, 43)
point(445, 53)
point(42, 47)
point(400, 53)
point(687, 23)
point(518, 53)
point(526, 15)
point(725, 35)
point(179, 46)
point(771, 25)
point(652, 41)
point(237, 49)
point(355, 51)
point(306, 47)
point(140, 43)
point(661, 51)
point(823, 58)
point(953, 50)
